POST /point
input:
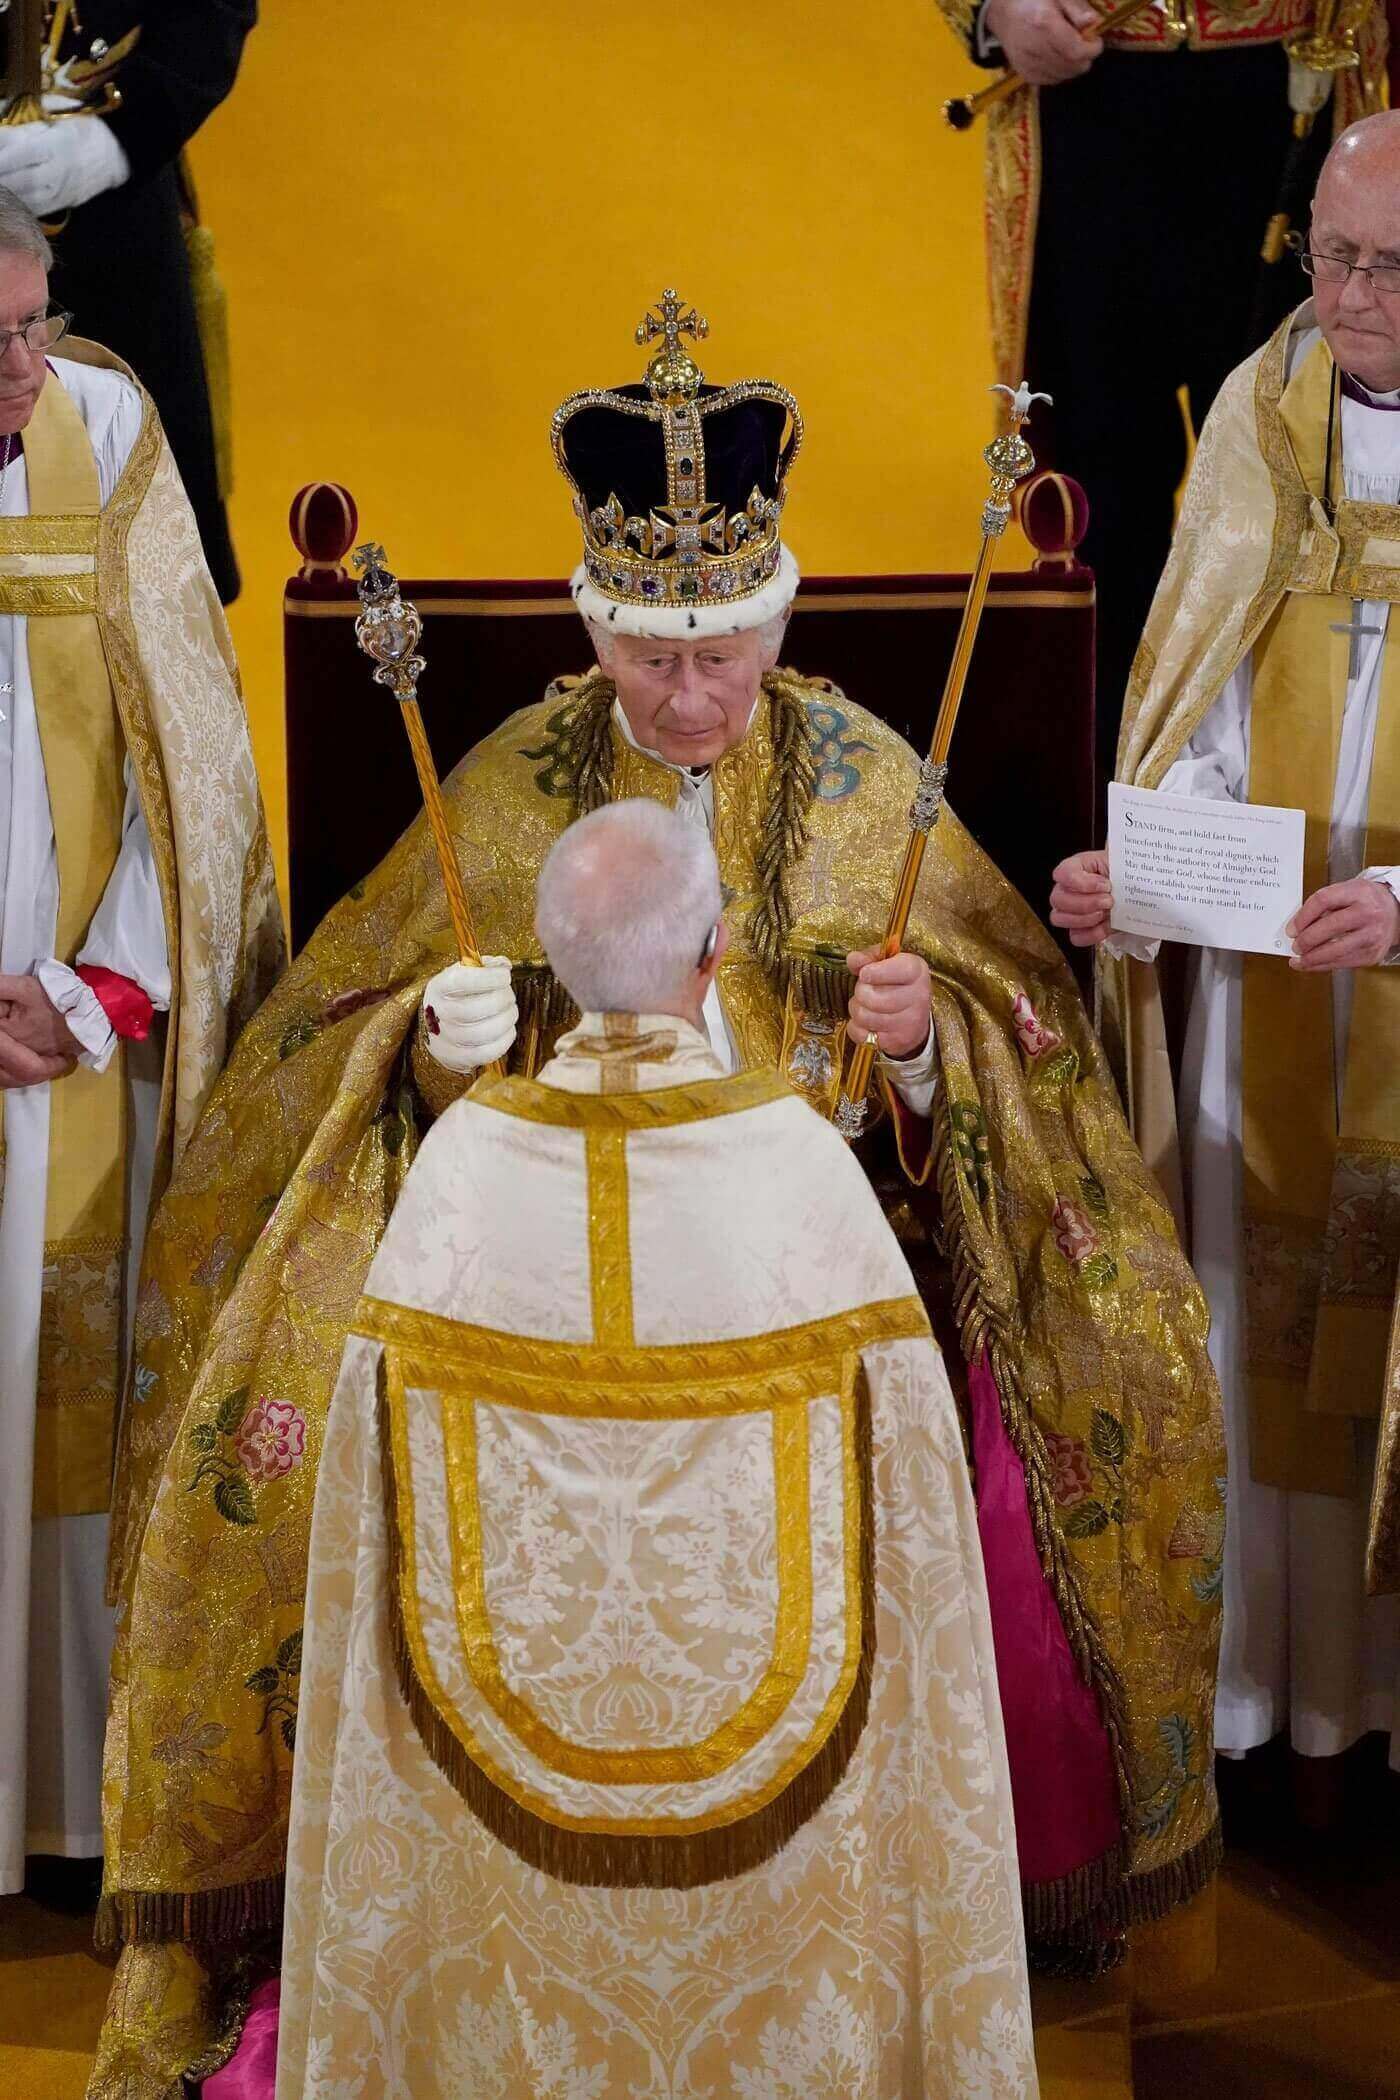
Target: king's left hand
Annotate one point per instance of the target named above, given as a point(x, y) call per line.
point(1346, 926)
point(893, 1001)
point(57, 165)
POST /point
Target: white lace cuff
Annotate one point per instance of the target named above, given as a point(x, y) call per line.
point(82, 1010)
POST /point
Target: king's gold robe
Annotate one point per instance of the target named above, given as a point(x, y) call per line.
point(1063, 1256)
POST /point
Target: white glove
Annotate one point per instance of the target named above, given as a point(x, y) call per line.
point(53, 167)
point(469, 1014)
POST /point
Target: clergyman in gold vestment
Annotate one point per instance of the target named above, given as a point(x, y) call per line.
point(1269, 672)
point(646, 1617)
point(138, 927)
point(1094, 1410)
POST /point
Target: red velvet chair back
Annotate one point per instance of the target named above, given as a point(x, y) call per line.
point(1022, 776)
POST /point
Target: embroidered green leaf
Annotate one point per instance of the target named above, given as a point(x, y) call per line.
point(296, 1037)
point(289, 1654)
point(289, 1731)
point(1094, 1194)
point(263, 1681)
point(1108, 1439)
point(233, 1500)
point(1086, 1519)
point(1178, 1740)
point(204, 1436)
point(231, 1414)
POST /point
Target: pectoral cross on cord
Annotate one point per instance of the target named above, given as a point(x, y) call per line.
point(1356, 630)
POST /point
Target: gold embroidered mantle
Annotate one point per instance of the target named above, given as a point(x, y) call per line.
point(1065, 1264)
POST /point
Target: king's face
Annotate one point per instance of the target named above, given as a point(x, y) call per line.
point(690, 701)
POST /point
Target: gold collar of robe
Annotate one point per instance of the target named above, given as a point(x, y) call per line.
point(1321, 1162)
point(48, 574)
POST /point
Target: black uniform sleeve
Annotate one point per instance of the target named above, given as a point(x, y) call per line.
point(184, 64)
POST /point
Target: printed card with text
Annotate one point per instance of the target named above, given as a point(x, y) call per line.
point(1211, 873)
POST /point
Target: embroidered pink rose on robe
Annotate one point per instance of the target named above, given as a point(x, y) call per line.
point(271, 1440)
point(1031, 1033)
point(1074, 1235)
point(1071, 1474)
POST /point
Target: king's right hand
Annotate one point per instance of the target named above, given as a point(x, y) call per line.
point(470, 1014)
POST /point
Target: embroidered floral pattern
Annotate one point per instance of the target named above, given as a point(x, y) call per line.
point(837, 749)
point(1071, 1474)
point(555, 776)
point(1174, 1773)
point(274, 1682)
point(271, 1439)
point(262, 1443)
point(1088, 1479)
point(1031, 1033)
point(1079, 1243)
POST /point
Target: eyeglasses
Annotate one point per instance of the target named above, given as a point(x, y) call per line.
point(1335, 269)
point(44, 334)
point(707, 953)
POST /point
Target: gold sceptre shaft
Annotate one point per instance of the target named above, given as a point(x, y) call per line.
point(963, 111)
point(388, 630)
point(1011, 460)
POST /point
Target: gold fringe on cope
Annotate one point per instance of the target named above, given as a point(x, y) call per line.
point(209, 1915)
point(603, 1859)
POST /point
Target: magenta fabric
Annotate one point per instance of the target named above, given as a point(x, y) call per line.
point(1062, 1778)
point(251, 2071)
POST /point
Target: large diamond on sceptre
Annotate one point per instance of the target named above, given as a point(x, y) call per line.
point(389, 630)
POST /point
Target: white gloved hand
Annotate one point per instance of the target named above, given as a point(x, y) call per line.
point(469, 1014)
point(53, 167)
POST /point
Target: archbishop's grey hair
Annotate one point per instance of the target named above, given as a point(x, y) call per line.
point(20, 231)
point(625, 901)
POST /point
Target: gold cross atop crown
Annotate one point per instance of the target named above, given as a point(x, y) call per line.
point(673, 374)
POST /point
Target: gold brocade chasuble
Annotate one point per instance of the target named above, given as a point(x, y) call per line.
point(1259, 566)
point(48, 573)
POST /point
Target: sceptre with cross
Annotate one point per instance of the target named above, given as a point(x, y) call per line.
point(389, 630)
point(1010, 459)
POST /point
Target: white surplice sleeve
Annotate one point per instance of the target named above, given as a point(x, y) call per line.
point(915, 1078)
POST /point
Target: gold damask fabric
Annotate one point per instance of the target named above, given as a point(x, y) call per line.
point(1012, 152)
point(1258, 567)
point(1066, 1266)
point(647, 1600)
